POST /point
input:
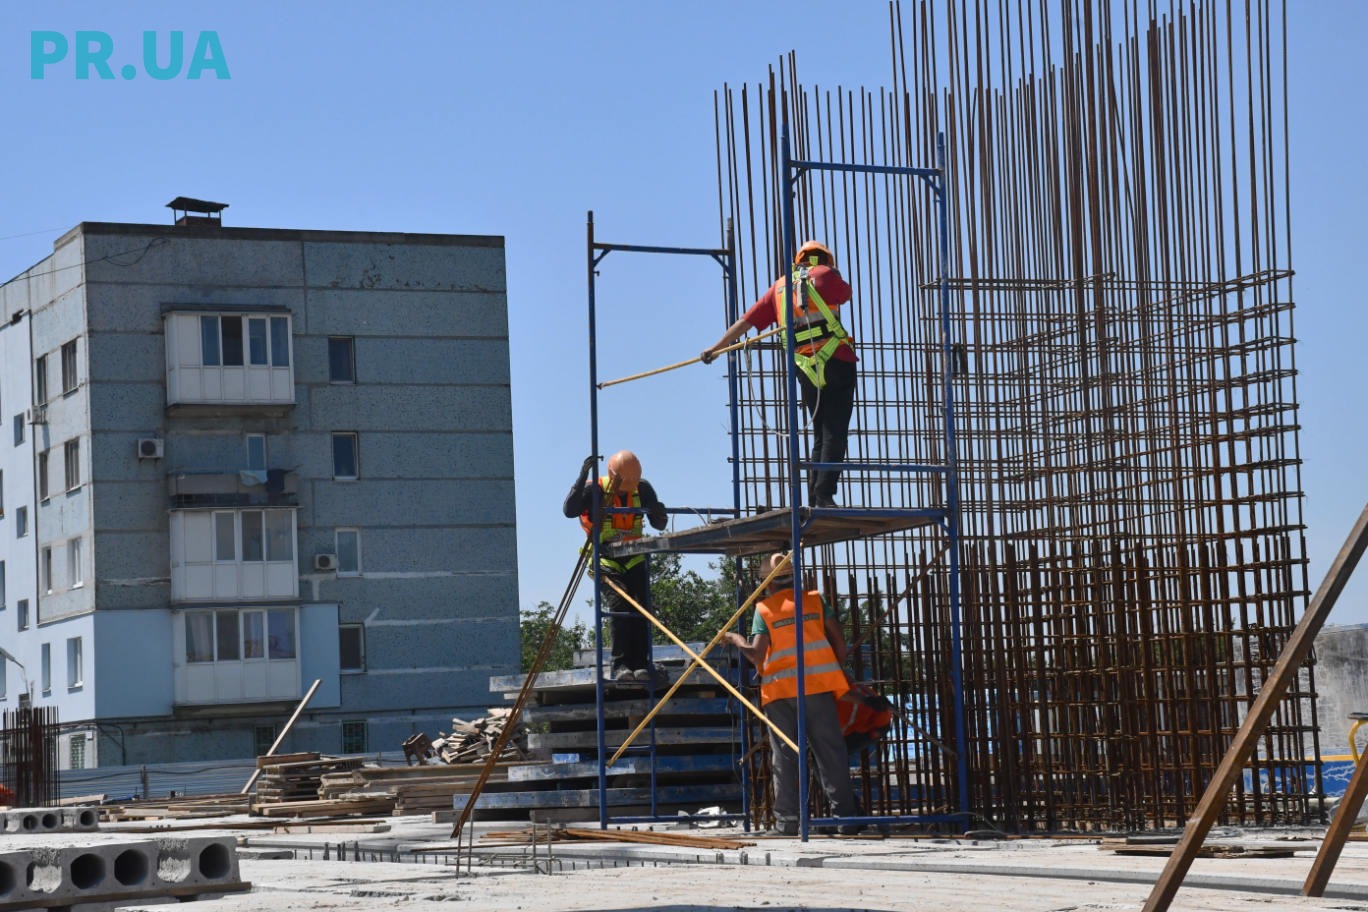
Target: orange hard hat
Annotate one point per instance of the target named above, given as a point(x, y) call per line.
point(811, 249)
point(626, 468)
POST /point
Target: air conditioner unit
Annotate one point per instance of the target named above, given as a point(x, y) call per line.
point(325, 561)
point(150, 447)
point(37, 414)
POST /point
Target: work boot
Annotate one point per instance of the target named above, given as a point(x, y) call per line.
point(622, 674)
point(653, 675)
point(824, 501)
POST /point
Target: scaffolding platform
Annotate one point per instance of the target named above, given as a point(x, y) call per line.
point(771, 531)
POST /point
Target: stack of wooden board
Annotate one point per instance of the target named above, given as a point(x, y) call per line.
point(296, 777)
point(687, 760)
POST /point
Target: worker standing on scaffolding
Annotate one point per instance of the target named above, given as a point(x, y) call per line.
point(824, 354)
point(772, 648)
point(622, 488)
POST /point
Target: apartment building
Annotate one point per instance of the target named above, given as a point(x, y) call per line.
point(235, 461)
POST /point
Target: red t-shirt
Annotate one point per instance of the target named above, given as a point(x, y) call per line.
point(829, 284)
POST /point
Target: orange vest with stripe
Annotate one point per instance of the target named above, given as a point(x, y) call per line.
point(821, 672)
point(616, 526)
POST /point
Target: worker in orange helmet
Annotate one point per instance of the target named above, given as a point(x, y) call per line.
point(622, 488)
point(824, 354)
point(772, 649)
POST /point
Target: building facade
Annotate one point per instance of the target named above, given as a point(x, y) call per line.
point(236, 461)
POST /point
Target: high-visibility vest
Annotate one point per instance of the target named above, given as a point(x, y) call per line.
point(857, 718)
point(616, 526)
point(817, 333)
point(821, 672)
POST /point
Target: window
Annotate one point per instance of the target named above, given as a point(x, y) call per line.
point(256, 452)
point(345, 456)
point(341, 359)
point(22, 614)
point(46, 665)
point(351, 647)
point(224, 341)
point(78, 744)
point(73, 464)
point(264, 535)
point(21, 522)
point(75, 671)
point(348, 545)
point(354, 738)
point(4, 679)
point(75, 564)
point(43, 474)
point(69, 366)
point(2, 495)
point(40, 392)
point(237, 634)
point(19, 429)
point(264, 737)
point(2, 585)
point(46, 569)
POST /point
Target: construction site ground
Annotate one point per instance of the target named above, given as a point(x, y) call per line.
point(412, 863)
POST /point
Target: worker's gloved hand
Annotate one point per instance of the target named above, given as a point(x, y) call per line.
point(587, 467)
point(708, 357)
point(657, 515)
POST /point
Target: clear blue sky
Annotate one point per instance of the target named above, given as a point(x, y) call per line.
point(515, 118)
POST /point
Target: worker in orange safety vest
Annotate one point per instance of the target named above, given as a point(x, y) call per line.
point(773, 649)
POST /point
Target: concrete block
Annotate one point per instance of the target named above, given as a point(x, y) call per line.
point(69, 872)
point(80, 819)
point(30, 821)
point(196, 861)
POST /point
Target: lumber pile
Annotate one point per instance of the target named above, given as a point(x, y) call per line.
point(296, 777)
point(472, 742)
point(407, 789)
point(1133, 845)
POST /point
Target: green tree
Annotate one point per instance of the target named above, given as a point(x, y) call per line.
point(694, 608)
point(533, 628)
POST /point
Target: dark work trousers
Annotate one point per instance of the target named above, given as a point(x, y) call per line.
point(826, 747)
point(830, 408)
point(631, 632)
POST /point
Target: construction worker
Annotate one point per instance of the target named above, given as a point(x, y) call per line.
point(865, 717)
point(623, 488)
point(772, 649)
point(824, 354)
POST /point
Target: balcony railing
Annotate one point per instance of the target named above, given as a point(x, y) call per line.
point(226, 487)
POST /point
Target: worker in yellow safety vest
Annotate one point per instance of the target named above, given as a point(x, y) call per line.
point(824, 354)
point(773, 648)
point(623, 489)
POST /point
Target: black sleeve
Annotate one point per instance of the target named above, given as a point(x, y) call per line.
point(580, 498)
point(655, 510)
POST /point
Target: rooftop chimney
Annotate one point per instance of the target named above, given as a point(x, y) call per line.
point(190, 211)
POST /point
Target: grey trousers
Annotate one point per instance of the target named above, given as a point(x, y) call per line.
point(826, 747)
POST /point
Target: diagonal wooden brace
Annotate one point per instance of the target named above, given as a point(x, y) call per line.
point(708, 668)
point(698, 659)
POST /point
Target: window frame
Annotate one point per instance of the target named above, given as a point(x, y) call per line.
point(71, 372)
point(360, 633)
point(45, 475)
point(75, 663)
point(40, 387)
point(355, 569)
point(350, 357)
point(45, 668)
point(355, 439)
point(45, 582)
point(71, 463)
point(350, 728)
point(75, 563)
point(21, 614)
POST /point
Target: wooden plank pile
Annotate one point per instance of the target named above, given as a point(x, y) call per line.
point(471, 742)
point(296, 777)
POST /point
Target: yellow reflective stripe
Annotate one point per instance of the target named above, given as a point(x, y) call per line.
point(786, 673)
point(809, 646)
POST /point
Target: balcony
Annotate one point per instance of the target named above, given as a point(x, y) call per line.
point(229, 487)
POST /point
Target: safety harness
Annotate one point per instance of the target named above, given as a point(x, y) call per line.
point(817, 333)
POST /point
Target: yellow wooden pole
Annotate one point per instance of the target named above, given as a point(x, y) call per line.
point(699, 659)
point(669, 367)
point(708, 668)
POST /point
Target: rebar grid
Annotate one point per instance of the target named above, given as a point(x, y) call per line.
point(1125, 383)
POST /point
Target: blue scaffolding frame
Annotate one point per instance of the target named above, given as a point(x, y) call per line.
point(800, 520)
